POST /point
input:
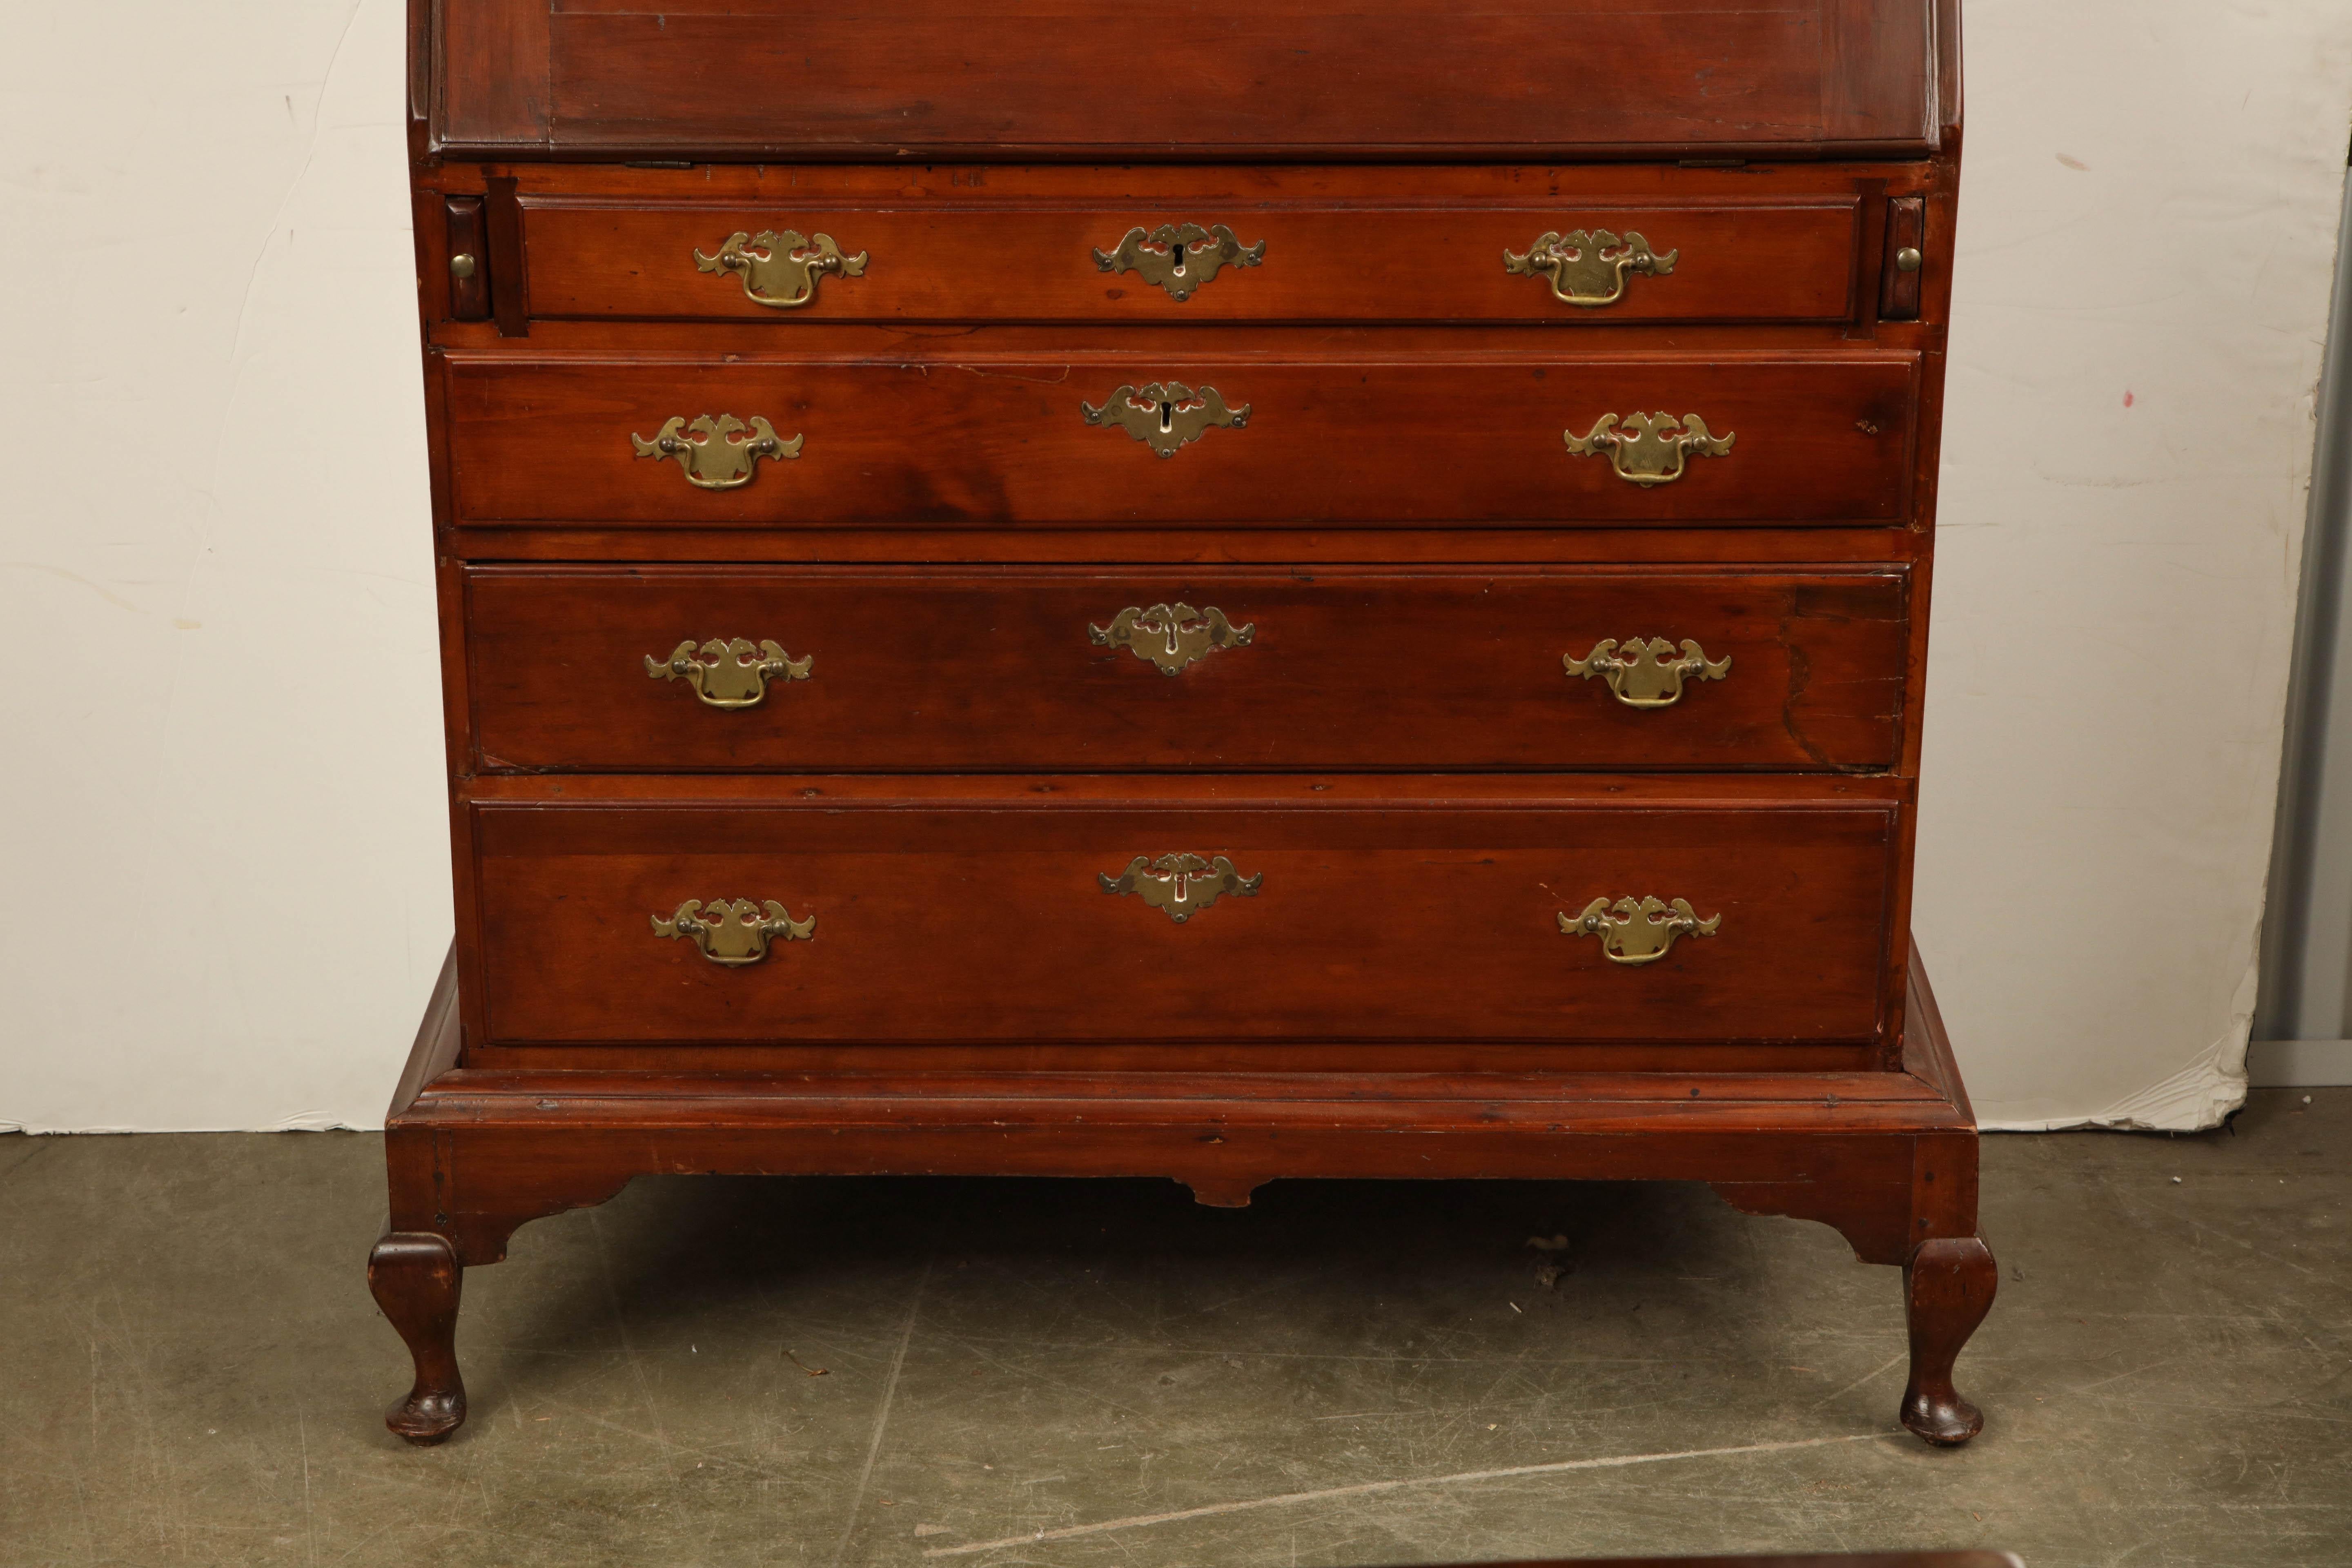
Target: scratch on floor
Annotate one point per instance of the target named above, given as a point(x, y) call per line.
point(1892, 1362)
point(309, 1516)
point(882, 1412)
point(1365, 1489)
point(621, 1329)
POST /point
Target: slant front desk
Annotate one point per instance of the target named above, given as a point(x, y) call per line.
point(1393, 546)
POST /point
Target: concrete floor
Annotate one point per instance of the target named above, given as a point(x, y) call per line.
point(838, 1372)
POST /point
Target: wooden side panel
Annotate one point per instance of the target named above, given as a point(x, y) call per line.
point(1345, 668)
point(1210, 79)
point(1395, 437)
point(492, 62)
point(988, 921)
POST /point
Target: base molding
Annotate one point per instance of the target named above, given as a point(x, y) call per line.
point(1888, 1159)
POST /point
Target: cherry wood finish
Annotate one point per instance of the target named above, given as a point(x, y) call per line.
point(1397, 749)
point(1346, 667)
point(939, 435)
point(1373, 921)
point(770, 80)
point(991, 261)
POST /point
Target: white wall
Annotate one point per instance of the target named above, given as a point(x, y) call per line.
point(222, 838)
point(2148, 231)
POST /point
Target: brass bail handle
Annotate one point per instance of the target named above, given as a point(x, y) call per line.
point(1589, 267)
point(1646, 673)
point(708, 452)
point(729, 672)
point(1638, 931)
point(1648, 449)
point(733, 931)
point(779, 267)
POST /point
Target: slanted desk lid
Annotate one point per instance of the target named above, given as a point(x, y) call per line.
point(872, 80)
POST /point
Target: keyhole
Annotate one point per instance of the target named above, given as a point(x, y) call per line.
point(1166, 416)
point(1179, 252)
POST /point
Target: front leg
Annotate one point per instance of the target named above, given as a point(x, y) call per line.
point(415, 1277)
point(1948, 1288)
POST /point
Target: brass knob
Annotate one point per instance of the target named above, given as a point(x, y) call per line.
point(734, 931)
point(712, 459)
point(1640, 671)
point(1589, 268)
point(1630, 929)
point(463, 265)
point(1907, 259)
point(1648, 449)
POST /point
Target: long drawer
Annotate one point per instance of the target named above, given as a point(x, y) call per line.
point(940, 433)
point(1289, 909)
point(1156, 262)
point(741, 669)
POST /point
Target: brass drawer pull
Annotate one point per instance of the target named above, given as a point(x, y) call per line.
point(1165, 415)
point(1630, 929)
point(1648, 449)
point(709, 453)
point(1179, 258)
point(1589, 268)
point(1171, 636)
point(728, 675)
point(734, 932)
point(779, 267)
point(1641, 675)
point(1181, 884)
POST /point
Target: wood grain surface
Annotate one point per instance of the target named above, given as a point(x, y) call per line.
point(933, 436)
point(971, 261)
point(1346, 666)
point(979, 915)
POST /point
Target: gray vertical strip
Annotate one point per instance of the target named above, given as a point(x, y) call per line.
point(2307, 962)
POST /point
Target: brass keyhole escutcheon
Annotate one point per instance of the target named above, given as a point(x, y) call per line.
point(1179, 258)
point(1648, 448)
point(1181, 885)
point(1642, 674)
point(1632, 931)
point(734, 931)
point(1171, 636)
point(709, 454)
point(729, 672)
point(1165, 415)
point(1589, 267)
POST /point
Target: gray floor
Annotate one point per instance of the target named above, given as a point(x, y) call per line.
point(835, 1372)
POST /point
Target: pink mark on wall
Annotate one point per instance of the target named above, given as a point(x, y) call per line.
point(2128, 397)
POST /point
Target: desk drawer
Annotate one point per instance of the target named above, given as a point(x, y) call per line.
point(795, 262)
point(573, 668)
point(1202, 437)
point(1014, 909)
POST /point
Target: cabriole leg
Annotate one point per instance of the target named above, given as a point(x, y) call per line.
point(1947, 1287)
point(415, 1277)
